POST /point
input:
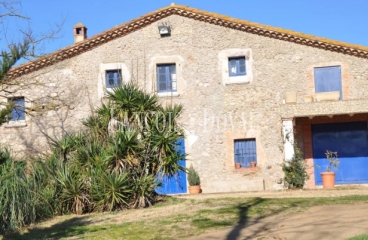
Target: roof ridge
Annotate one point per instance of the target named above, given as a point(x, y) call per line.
point(199, 15)
point(276, 29)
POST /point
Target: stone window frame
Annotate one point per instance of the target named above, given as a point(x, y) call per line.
point(180, 81)
point(125, 75)
point(224, 57)
point(345, 77)
point(18, 123)
point(231, 136)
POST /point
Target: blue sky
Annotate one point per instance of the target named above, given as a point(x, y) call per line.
point(345, 21)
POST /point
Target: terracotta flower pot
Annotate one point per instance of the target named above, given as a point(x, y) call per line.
point(253, 164)
point(237, 165)
point(328, 179)
point(195, 189)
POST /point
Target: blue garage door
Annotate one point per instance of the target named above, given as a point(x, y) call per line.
point(350, 141)
point(176, 184)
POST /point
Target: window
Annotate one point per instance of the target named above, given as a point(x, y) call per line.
point(166, 78)
point(113, 78)
point(237, 66)
point(328, 79)
point(18, 112)
point(245, 152)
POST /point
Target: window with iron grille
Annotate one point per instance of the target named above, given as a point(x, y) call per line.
point(166, 78)
point(245, 152)
point(113, 78)
point(18, 111)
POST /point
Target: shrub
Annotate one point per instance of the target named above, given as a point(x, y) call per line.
point(112, 164)
point(295, 170)
point(193, 177)
point(21, 201)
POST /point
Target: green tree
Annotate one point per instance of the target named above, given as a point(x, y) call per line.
point(27, 47)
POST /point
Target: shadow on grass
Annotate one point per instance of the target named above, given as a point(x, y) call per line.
point(243, 210)
point(261, 208)
point(72, 227)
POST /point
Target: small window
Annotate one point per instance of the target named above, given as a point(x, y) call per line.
point(328, 79)
point(113, 78)
point(18, 112)
point(245, 152)
point(237, 66)
point(166, 78)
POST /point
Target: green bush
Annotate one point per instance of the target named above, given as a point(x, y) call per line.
point(22, 199)
point(102, 168)
point(295, 170)
point(193, 177)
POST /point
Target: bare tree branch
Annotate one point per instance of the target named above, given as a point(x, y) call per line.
point(30, 46)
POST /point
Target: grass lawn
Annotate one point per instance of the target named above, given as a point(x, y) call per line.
point(173, 218)
point(360, 237)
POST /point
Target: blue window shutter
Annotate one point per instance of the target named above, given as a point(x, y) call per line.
point(161, 78)
point(18, 111)
point(109, 79)
point(166, 78)
point(237, 66)
point(328, 79)
point(113, 78)
point(241, 68)
point(232, 67)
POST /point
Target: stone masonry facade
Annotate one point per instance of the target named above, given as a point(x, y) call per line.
point(216, 110)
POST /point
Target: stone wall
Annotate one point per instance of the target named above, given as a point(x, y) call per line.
point(215, 113)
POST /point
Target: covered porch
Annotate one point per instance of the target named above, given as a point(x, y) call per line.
point(339, 126)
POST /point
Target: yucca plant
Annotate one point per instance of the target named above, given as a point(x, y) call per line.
point(143, 191)
point(111, 190)
point(74, 190)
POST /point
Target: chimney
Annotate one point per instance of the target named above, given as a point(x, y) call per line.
point(80, 32)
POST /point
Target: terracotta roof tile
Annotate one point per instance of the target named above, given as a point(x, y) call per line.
point(199, 15)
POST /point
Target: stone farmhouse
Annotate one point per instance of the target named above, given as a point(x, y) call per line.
point(249, 92)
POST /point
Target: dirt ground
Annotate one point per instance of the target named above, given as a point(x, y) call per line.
point(322, 222)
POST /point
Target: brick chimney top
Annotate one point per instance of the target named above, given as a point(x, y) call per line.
point(80, 32)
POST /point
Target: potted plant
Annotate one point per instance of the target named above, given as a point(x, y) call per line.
point(194, 181)
point(328, 178)
point(253, 164)
point(237, 165)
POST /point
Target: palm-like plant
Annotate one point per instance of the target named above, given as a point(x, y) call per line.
point(111, 190)
point(74, 192)
point(96, 169)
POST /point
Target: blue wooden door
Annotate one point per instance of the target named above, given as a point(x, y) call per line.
point(328, 79)
point(350, 141)
point(176, 184)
